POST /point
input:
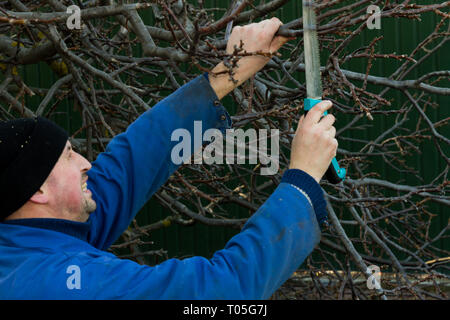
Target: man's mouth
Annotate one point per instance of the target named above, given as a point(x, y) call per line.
point(84, 187)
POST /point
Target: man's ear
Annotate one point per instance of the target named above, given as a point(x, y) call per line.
point(39, 197)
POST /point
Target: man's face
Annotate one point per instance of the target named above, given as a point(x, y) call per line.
point(67, 187)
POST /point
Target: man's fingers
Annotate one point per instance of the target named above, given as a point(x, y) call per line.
point(270, 27)
point(258, 36)
point(273, 24)
point(317, 111)
point(331, 132)
point(277, 43)
point(327, 121)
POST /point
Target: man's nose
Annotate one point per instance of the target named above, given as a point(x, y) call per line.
point(84, 163)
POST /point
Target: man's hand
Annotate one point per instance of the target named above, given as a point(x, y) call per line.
point(256, 37)
point(314, 144)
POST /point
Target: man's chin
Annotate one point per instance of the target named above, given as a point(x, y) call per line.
point(92, 206)
point(89, 206)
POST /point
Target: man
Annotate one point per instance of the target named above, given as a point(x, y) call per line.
point(60, 212)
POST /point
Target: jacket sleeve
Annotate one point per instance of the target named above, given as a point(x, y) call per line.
point(137, 162)
point(254, 263)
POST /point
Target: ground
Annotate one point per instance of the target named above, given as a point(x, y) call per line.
point(301, 286)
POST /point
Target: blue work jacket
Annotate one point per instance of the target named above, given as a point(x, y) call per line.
point(39, 263)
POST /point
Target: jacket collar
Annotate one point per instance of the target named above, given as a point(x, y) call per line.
point(75, 229)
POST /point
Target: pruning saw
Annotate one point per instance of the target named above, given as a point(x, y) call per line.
point(334, 173)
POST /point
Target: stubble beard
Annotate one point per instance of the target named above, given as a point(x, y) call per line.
point(89, 205)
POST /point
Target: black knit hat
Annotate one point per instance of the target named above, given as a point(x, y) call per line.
point(29, 149)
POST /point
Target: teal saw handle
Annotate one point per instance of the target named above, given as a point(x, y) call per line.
point(334, 174)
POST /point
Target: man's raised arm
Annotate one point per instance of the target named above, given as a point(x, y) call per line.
point(137, 162)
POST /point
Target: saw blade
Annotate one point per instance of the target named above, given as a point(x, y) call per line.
point(312, 56)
